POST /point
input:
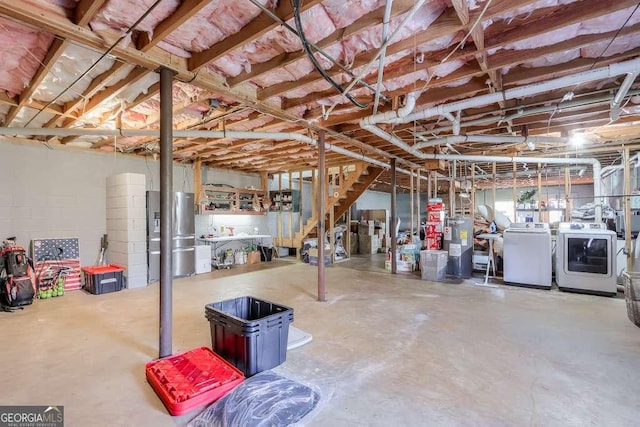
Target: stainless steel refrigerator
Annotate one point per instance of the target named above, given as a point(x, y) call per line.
point(184, 235)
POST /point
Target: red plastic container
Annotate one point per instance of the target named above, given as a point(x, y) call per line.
point(192, 379)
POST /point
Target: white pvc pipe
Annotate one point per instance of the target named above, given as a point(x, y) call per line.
point(416, 6)
point(278, 136)
point(597, 180)
point(458, 139)
point(409, 105)
point(383, 54)
point(624, 89)
point(524, 112)
point(527, 90)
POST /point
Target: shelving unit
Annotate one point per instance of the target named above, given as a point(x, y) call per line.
point(231, 201)
point(285, 200)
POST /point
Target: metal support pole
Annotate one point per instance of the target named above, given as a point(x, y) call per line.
point(540, 218)
point(419, 210)
point(452, 190)
point(166, 210)
point(493, 188)
point(627, 209)
point(514, 194)
point(429, 185)
point(321, 200)
point(412, 207)
point(473, 189)
point(394, 219)
point(567, 190)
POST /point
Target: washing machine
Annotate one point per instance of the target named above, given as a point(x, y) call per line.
point(527, 255)
point(586, 258)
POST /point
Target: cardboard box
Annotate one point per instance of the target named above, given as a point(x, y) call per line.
point(366, 229)
point(354, 243)
point(368, 244)
point(253, 257)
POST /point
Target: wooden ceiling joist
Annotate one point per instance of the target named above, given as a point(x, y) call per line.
point(256, 28)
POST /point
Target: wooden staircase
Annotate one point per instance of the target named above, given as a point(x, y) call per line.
point(349, 187)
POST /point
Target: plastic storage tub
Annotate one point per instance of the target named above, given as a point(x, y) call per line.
point(102, 279)
point(632, 296)
point(250, 333)
point(192, 379)
point(433, 265)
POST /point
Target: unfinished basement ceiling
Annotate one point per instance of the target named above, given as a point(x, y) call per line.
point(92, 64)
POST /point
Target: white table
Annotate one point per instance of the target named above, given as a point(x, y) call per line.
point(219, 241)
point(491, 262)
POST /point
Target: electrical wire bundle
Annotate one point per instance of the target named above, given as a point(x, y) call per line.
point(296, 5)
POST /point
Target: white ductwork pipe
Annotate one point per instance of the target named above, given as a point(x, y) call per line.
point(409, 105)
point(627, 67)
point(602, 73)
point(608, 170)
point(459, 139)
point(383, 53)
point(616, 103)
point(524, 112)
point(597, 180)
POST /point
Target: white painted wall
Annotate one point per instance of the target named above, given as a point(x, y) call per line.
point(61, 192)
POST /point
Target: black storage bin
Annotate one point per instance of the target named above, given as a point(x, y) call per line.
point(249, 333)
point(103, 279)
point(266, 253)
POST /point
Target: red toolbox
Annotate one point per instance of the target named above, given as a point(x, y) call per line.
point(192, 379)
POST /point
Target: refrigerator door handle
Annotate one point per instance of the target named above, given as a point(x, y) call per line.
point(191, 249)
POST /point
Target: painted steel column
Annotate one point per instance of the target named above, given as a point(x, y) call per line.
point(493, 188)
point(452, 190)
point(540, 218)
point(419, 212)
point(322, 197)
point(514, 193)
point(166, 211)
point(412, 206)
point(567, 190)
point(627, 209)
point(394, 219)
point(473, 189)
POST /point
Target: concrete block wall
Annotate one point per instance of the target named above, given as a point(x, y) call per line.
point(127, 225)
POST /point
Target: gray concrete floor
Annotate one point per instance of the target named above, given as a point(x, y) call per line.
point(385, 351)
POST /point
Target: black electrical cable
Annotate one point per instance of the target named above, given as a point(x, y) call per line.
point(305, 44)
point(88, 70)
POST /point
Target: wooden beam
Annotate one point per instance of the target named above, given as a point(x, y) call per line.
point(55, 24)
point(182, 14)
point(369, 20)
point(253, 30)
point(433, 96)
point(112, 90)
point(86, 10)
point(446, 24)
point(55, 51)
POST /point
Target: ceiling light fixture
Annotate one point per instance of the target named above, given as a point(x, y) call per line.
point(578, 139)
